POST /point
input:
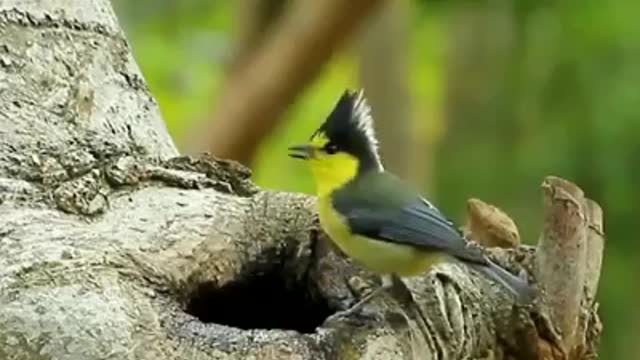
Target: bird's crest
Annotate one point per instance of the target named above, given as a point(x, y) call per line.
point(350, 126)
point(362, 119)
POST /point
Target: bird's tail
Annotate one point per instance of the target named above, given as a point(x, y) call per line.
point(516, 285)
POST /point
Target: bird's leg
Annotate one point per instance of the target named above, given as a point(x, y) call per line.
point(400, 290)
point(387, 283)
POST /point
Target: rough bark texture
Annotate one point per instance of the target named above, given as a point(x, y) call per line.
point(490, 226)
point(562, 252)
point(112, 247)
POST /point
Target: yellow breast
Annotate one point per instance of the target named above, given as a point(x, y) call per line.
point(380, 256)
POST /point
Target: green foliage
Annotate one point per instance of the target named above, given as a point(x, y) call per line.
point(553, 93)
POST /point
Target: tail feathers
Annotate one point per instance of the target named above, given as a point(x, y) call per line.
point(519, 287)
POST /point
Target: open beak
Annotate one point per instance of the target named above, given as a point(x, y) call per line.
point(301, 152)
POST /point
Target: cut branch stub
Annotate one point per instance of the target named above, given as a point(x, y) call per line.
point(595, 248)
point(589, 325)
point(490, 226)
point(560, 260)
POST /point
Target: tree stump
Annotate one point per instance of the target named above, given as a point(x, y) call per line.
point(112, 246)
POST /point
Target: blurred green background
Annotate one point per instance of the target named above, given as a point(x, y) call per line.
point(500, 94)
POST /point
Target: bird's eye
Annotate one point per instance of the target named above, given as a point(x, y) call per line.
point(331, 149)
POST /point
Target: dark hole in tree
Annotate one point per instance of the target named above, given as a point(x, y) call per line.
point(261, 300)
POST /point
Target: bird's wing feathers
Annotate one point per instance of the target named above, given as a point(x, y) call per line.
point(385, 209)
point(380, 206)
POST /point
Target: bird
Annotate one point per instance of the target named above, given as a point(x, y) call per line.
point(373, 216)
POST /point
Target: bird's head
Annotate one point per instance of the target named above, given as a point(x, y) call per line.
point(344, 146)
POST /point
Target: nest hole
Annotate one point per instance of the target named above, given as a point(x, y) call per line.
point(261, 300)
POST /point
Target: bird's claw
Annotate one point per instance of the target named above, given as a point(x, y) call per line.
point(353, 314)
point(356, 313)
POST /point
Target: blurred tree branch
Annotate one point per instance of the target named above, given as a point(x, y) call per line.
point(254, 21)
point(256, 95)
point(384, 73)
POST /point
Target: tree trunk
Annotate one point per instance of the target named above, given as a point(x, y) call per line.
point(112, 246)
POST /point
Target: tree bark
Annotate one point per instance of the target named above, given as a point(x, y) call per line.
point(113, 246)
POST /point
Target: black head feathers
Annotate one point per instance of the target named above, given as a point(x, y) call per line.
point(350, 128)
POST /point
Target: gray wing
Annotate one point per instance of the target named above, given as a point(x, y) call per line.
point(383, 208)
point(407, 219)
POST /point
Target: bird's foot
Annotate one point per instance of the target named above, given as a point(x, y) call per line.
point(355, 312)
point(358, 316)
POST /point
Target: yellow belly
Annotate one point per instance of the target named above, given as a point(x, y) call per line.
point(380, 256)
